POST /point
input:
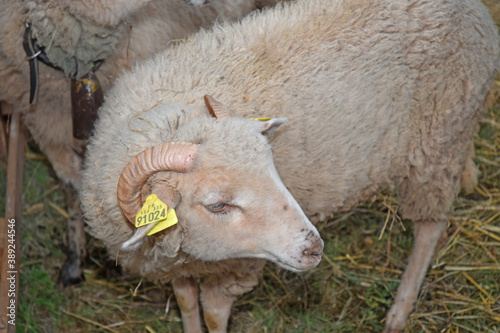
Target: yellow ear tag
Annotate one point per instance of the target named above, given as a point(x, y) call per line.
point(155, 211)
point(161, 225)
point(261, 119)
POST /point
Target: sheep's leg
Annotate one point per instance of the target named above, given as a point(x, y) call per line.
point(468, 180)
point(50, 125)
point(217, 306)
point(186, 293)
point(67, 164)
point(427, 236)
point(218, 292)
point(72, 270)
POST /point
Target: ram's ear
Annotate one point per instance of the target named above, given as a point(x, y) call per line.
point(269, 126)
point(138, 238)
point(169, 239)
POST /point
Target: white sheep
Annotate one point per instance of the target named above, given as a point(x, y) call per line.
point(75, 34)
point(379, 95)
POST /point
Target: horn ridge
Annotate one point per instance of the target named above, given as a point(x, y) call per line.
point(216, 108)
point(171, 156)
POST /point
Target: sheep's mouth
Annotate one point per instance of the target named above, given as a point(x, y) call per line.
point(290, 267)
point(293, 268)
point(296, 266)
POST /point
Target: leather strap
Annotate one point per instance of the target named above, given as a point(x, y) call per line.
point(34, 53)
point(33, 62)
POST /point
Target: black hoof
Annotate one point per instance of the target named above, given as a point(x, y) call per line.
point(71, 273)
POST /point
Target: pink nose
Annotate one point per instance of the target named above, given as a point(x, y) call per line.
point(313, 254)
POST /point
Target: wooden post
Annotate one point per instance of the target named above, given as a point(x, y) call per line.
point(9, 227)
point(4, 112)
point(3, 139)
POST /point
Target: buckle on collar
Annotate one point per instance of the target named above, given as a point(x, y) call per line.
point(34, 53)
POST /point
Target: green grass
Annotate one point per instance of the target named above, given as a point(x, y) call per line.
point(40, 301)
point(41, 231)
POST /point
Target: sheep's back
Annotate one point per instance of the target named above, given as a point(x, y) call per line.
point(378, 93)
point(392, 101)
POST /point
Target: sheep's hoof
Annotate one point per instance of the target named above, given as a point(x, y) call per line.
point(390, 330)
point(71, 273)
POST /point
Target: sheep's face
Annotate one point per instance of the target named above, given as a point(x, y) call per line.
point(234, 205)
point(226, 191)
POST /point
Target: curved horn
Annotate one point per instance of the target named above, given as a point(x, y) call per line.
point(172, 156)
point(216, 109)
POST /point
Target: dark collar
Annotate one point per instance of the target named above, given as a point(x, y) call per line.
point(36, 52)
point(33, 50)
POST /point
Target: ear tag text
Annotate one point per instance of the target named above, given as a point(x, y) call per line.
point(164, 224)
point(155, 211)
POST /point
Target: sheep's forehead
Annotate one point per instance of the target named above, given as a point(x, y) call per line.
point(236, 142)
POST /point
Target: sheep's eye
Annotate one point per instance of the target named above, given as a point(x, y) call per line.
point(218, 207)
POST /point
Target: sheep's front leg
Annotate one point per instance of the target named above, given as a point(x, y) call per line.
point(186, 293)
point(218, 292)
point(72, 270)
point(217, 304)
point(427, 237)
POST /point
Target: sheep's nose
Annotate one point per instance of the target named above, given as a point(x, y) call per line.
point(313, 253)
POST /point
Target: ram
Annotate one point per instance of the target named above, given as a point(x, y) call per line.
point(74, 37)
point(378, 95)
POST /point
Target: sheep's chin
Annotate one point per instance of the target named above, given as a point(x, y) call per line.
point(294, 269)
point(288, 266)
point(285, 265)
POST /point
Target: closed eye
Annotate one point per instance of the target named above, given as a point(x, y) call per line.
point(219, 207)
